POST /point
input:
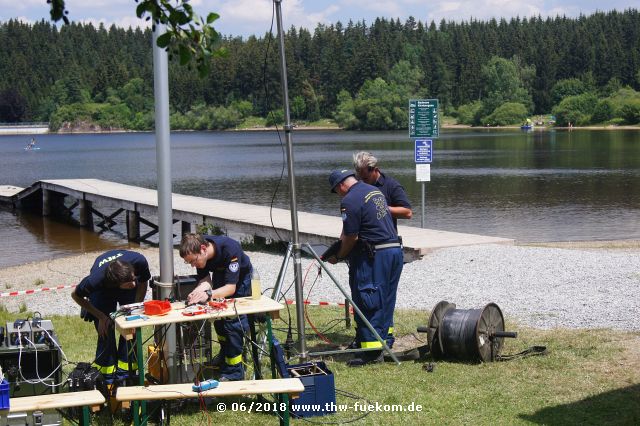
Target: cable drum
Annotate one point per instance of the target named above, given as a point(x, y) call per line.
point(474, 335)
point(435, 319)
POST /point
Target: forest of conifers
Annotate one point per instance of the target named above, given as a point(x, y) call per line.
point(584, 69)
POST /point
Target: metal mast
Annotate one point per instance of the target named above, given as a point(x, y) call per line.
point(163, 161)
point(297, 268)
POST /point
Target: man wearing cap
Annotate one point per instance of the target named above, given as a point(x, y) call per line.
point(116, 277)
point(366, 167)
point(370, 243)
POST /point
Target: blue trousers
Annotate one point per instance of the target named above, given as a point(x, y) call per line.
point(111, 358)
point(231, 333)
point(394, 259)
point(374, 284)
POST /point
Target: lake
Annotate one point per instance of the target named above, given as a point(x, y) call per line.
point(531, 186)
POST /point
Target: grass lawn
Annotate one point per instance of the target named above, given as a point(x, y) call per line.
point(588, 377)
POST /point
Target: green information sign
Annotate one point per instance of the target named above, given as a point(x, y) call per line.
point(423, 118)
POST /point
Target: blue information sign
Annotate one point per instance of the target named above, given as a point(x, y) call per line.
point(424, 151)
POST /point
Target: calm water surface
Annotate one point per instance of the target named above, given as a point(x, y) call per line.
point(537, 186)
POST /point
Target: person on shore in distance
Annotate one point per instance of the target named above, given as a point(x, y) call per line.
point(366, 167)
point(370, 243)
point(117, 277)
point(223, 271)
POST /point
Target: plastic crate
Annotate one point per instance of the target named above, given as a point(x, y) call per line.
point(4, 395)
point(319, 396)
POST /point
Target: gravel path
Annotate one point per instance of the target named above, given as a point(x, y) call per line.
point(544, 287)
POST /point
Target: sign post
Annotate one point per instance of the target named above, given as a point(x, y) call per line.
point(423, 158)
point(423, 123)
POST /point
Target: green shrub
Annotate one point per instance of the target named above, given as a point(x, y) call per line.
point(604, 111)
point(224, 118)
point(575, 109)
point(143, 121)
point(72, 113)
point(179, 121)
point(630, 111)
point(244, 108)
point(113, 116)
point(345, 113)
point(210, 229)
point(275, 117)
point(468, 113)
point(506, 114)
point(379, 118)
point(298, 107)
point(202, 122)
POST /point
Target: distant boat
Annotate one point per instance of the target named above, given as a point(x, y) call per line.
point(528, 125)
point(31, 146)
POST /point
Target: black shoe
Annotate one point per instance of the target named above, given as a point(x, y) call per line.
point(232, 374)
point(230, 378)
point(365, 358)
point(408, 355)
point(217, 361)
point(353, 345)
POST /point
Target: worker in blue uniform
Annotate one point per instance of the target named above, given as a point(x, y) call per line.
point(223, 271)
point(117, 277)
point(369, 242)
point(367, 170)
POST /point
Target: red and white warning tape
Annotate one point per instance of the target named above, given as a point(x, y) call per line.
point(61, 287)
point(37, 290)
point(310, 303)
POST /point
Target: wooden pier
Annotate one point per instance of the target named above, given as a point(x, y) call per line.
point(140, 205)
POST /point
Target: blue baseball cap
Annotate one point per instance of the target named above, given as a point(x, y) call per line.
point(338, 176)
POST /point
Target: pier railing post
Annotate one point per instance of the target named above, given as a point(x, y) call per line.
point(85, 215)
point(133, 225)
point(185, 228)
point(46, 202)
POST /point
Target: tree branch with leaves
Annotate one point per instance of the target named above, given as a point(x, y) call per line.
point(189, 37)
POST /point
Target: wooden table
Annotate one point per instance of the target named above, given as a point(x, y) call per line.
point(240, 306)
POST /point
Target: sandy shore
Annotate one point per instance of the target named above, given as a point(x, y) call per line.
point(572, 285)
point(332, 127)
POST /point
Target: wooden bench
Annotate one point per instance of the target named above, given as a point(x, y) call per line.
point(83, 399)
point(283, 387)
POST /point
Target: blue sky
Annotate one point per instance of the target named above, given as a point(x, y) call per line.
point(245, 17)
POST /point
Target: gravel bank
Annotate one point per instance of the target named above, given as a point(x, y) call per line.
point(544, 287)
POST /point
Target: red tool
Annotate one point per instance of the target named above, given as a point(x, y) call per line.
point(218, 305)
